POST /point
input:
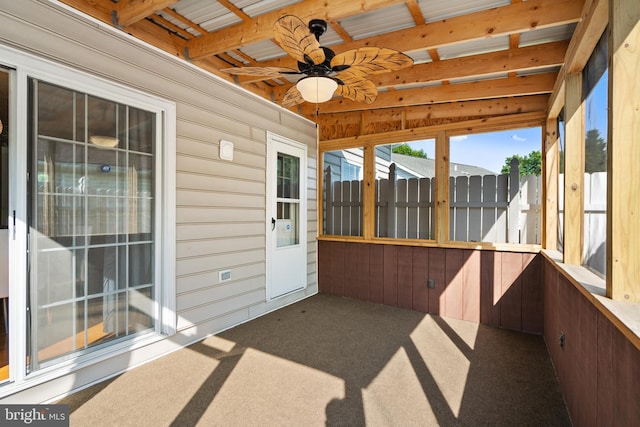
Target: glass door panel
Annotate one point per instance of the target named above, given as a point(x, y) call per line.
point(90, 222)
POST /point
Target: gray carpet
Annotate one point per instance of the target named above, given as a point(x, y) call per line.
point(334, 361)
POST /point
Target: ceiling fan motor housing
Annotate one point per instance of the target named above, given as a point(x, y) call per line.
point(317, 27)
point(322, 69)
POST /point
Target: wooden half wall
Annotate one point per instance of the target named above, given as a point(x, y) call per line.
point(502, 289)
point(597, 365)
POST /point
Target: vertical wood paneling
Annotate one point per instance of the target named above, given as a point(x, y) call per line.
point(585, 360)
point(489, 287)
point(532, 294)
point(437, 258)
point(511, 301)
point(454, 265)
point(566, 308)
point(626, 371)
point(599, 368)
point(362, 268)
point(324, 267)
point(390, 274)
point(551, 330)
point(405, 277)
point(607, 389)
point(349, 288)
point(337, 269)
point(376, 279)
point(419, 277)
point(471, 287)
point(489, 315)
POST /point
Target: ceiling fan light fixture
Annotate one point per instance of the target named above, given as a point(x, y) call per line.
point(317, 89)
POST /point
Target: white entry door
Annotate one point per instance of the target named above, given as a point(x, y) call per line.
point(286, 216)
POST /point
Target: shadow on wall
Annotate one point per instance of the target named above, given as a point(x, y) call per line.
point(501, 289)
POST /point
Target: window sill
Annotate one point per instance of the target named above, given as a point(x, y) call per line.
point(625, 315)
point(503, 247)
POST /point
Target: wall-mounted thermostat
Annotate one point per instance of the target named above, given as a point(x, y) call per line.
point(226, 150)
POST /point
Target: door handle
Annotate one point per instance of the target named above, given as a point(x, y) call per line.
point(273, 224)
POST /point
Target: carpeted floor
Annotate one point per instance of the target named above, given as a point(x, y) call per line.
point(337, 362)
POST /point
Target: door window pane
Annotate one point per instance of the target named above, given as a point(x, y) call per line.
point(288, 200)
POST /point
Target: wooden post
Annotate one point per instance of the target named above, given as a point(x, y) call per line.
point(328, 202)
point(368, 193)
point(442, 188)
point(513, 206)
point(550, 171)
point(623, 152)
point(391, 202)
point(574, 170)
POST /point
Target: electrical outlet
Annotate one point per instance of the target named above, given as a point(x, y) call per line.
point(431, 283)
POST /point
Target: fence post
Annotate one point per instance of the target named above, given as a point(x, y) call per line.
point(513, 209)
point(391, 202)
point(328, 208)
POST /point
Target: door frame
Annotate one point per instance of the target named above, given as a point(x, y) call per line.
point(276, 144)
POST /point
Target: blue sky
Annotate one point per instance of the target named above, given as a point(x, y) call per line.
point(488, 150)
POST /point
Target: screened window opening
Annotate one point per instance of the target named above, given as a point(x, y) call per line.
point(595, 88)
point(495, 187)
point(342, 188)
point(405, 179)
point(91, 210)
point(561, 160)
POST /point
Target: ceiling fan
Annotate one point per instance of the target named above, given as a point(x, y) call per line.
point(324, 72)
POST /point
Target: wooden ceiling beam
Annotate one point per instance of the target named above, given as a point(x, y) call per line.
point(449, 110)
point(486, 89)
point(261, 27)
point(466, 127)
point(129, 12)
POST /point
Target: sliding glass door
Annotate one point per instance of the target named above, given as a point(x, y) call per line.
point(91, 222)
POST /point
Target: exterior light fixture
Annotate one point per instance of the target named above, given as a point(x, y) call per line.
point(317, 88)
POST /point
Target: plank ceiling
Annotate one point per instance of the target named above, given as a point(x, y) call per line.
point(472, 58)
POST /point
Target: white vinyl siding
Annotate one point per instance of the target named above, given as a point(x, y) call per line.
point(219, 205)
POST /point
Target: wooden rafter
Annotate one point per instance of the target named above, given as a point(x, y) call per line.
point(131, 11)
point(261, 27)
point(512, 86)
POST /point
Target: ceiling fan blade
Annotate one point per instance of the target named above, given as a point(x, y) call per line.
point(356, 88)
point(371, 60)
point(292, 97)
point(293, 35)
point(260, 71)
